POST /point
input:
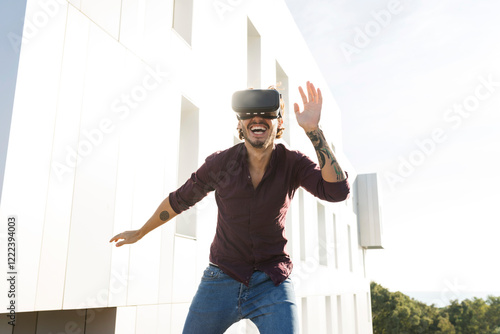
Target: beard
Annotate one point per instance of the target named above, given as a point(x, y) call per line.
point(258, 143)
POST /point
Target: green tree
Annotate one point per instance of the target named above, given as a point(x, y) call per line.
point(493, 314)
point(396, 313)
point(469, 316)
point(444, 326)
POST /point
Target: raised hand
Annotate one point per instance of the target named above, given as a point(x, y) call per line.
point(309, 118)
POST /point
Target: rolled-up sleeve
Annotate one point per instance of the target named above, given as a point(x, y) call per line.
point(193, 190)
point(309, 175)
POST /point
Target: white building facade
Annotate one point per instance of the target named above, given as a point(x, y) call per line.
point(117, 102)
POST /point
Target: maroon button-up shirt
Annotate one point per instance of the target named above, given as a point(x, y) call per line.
point(250, 232)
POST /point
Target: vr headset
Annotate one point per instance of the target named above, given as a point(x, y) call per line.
point(264, 103)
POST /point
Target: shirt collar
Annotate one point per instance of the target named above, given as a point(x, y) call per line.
point(243, 154)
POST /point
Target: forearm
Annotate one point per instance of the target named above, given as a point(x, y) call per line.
point(163, 214)
point(330, 168)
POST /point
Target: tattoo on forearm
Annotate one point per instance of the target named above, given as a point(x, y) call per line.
point(324, 152)
point(164, 216)
point(338, 171)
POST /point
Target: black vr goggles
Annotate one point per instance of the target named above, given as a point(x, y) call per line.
point(250, 103)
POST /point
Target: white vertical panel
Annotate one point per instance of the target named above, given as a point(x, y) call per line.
point(147, 319)
point(30, 143)
point(348, 314)
point(179, 314)
point(284, 88)
point(122, 217)
point(124, 113)
point(132, 22)
point(164, 321)
point(166, 271)
point(105, 13)
point(144, 255)
point(150, 124)
point(89, 254)
point(183, 19)
point(310, 227)
point(342, 253)
point(171, 110)
point(188, 161)
point(322, 236)
point(362, 319)
point(126, 320)
point(145, 28)
point(302, 224)
point(60, 193)
point(330, 244)
point(140, 121)
point(304, 314)
point(329, 314)
point(335, 242)
point(289, 232)
point(368, 211)
point(205, 230)
point(350, 247)
point(157, 21)
point(294, 213)
point(364, 313)
point(316, 314)
point(355, 313)
point(185, 278)
point(268, 70)
point(369, 325)
point(254, 56)
point(340, 315)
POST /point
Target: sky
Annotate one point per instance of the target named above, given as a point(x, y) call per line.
point(418, 85)
point(10, 11)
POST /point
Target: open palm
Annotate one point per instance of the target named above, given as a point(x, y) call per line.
point(309, 118)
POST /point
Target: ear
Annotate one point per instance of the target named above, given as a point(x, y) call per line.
point(280, 122)
point(238, 127)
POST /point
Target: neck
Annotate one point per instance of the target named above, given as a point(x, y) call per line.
point(258, 158)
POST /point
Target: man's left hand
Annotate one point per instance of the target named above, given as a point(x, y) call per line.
point(308, 119)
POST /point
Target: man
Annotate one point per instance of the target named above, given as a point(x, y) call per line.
point(254, 183)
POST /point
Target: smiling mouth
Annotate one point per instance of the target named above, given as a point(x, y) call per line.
point(258, 129)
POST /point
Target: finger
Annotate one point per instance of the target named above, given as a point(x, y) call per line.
point(320, 97)
point(296, 108)
point(123, 242)
point(303, 95)
point(310, 91)
point(314, 93)
point(115, 238)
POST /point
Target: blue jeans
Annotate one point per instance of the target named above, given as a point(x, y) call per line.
point(221, 301)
